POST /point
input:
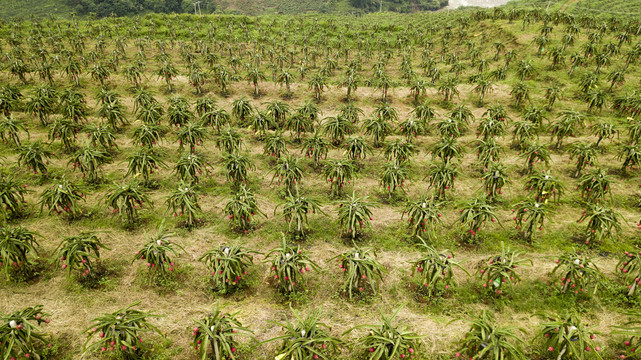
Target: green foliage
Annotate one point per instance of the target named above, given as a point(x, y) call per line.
point(354, 215)
point(499, 272)
point(578, 273)
point(288, 264)
point(241, 208)
point(126, 200)
point(315, 148)
point(101, 136)
point(178, 112)
point(602, 222)
point(356, 148)
point(237, 167)
point(565, 337)
point(307, 338)
point(17, 246)
point(441, 177)
point(20, 334)
point(214, 335)
point(148, 135)
point(486, 340)
point(275, 144)
point(295, 211)
point(183, 201)
point(191, 134)
point(423, 217)
point(337, 127)
point(338, 172)
point(229, 265)
point(120, 331)
point(81, 252)
point(288, 172)
point(191, 167)
point(61, 196)
point(399, 150)
point(494, 179)
point(10, 129)
point(393, 177)
point(435, 271)
point(35, 157)
point(145, 162)
point(385, 341)
point(585, 154)
point(629, 268)
point(529, 215)
point(595, 186)
point(11, 198)
point(157, 253)
point(361, 271)
point(543, 186)
point(229, 140)
point(89, 160)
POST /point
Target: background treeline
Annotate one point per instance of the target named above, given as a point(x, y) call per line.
point(103, 8)
point(403, 6)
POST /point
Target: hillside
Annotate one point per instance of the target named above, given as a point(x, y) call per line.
point(104, 8)
point(620, 8)
point(514, 144)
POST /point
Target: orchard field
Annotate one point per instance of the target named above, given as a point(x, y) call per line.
point(425, 186)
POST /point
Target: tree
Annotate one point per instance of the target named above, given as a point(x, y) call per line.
point(448, 89)
point(285, 77)
point(520, 93)
point(362, 271)
point(167, 71)
point(254, 75)
point(354, 214)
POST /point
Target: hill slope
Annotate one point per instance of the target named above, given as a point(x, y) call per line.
point(607, 7)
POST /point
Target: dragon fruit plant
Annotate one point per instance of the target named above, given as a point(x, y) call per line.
point(120, 332)
point(485, 340)
point(565, 337)
point(578, 274)
point(435, 270)
point(361, 271)
point(81, 252)
point(18, 247)
point(629, 267)
point(229, 264)
point(20, 334)
point(632, 331)
point(288, 264)
point(384, 341)
point(499, 272)
point(423, 217)
point(305, 339)
point(158, 252)
point(214, 336)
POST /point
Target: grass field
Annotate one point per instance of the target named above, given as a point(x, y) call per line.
point(188, 294)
